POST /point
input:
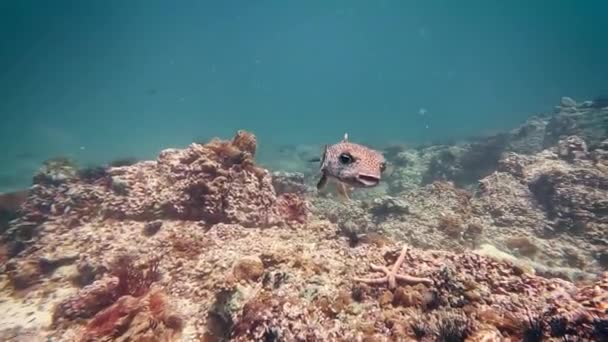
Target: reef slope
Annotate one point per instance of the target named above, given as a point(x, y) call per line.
point(198, 245)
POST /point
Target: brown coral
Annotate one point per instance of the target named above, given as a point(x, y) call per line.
point(147, 318)
point(88, 301)
point(293, 208)
point(451, 225)
point(126, 279)
point(216, 182)
point(245, 141)
point(523, 245)
point(114, 320)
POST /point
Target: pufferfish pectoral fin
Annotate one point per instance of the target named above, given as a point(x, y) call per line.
point(322, 182)
point(343, 191)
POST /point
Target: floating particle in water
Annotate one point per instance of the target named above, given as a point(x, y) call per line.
point(422, 111)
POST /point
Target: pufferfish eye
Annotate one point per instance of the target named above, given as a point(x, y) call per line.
point(346, 158)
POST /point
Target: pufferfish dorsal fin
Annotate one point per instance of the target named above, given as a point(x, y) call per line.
point(345, 139)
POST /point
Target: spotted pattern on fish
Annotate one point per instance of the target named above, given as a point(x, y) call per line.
point(352, 164)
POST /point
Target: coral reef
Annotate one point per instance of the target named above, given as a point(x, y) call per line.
point(464, 163)
point(498, 239)
point(541, 204)
point(212, 183)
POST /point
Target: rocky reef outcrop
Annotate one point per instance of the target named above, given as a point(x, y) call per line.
point(466, 162)
point(210, 183)
point(499, 239)
point(543, 204)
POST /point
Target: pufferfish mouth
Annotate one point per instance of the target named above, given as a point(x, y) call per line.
point(368, 180)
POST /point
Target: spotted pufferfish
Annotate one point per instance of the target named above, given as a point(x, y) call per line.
point(350, 164)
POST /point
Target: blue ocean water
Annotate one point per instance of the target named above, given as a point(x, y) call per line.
point(97, 80)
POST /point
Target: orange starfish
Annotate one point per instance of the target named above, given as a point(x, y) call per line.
point(391, 276)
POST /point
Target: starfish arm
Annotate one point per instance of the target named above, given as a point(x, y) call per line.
point(381, 280)
point(399, 260)
point(413, 280)
point(383, 269)
point(392, 281)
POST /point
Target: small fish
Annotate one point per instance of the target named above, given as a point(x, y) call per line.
point(352, 165)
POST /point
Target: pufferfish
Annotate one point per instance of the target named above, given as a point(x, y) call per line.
point(350, 164)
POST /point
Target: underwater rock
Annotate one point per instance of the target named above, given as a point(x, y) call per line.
point(48, 263)
point(591, 124)
point(147, 318)
point(23, 273)
point(120, 186)
point(556, 191)
point(600, 155)
point(10, 206)
point(216, 182)
point(445, 165)
point(412, 216)
point(120, 162)
point(281, 283)
point(56, 171)
point(213, 183)
point(289, 182)
point(248, 268)
point(411, 164)
point(151, 228)
point(292, 208)
point(599, 102)
point(528, 138)
point(87, 272)
point(539, 195)
point(245, 141)
point(572, 148)
point(352, 219)
point(304, 280)
point(507, 202)
point(88, 301)
point(522, 245)
point(602, 258)
point(466, 164)
point(10, 202)
point(386, 206)
point(574, 200)
point(567, 102)
point(93, 174)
